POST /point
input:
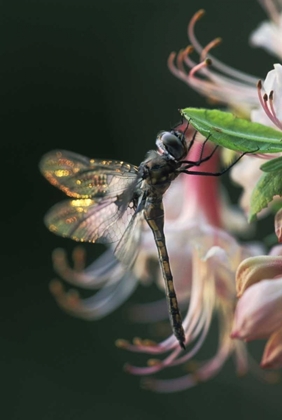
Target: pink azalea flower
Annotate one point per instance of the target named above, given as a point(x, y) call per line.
point(268, 34)
point(258, 313)
point(248, 172)
point(259, 310)
point(239, 91)
point(220, 82)
point(212, 78)
point(272, 355)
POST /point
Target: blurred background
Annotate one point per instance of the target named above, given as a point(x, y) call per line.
point(92, 77)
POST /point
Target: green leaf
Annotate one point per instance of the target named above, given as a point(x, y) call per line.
point(224, 129)
point(272, 165)
point(269, 185)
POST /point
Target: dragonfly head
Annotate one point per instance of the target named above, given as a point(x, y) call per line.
point(173, 144)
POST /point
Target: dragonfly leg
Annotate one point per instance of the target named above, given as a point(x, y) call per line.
point(191, 163)
point(187, 171)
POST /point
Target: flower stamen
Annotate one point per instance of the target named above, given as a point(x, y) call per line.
point(268, 106)
point(271, 10)
point(200, 66)
point(212, 44)
point(217, 64)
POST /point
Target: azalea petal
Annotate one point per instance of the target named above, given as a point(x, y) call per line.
point(272, 356)
point(259, 311)
point(247, 173)
point(268, 36)
point(276, 251)
point(278, 225)
point(272, 83)
point(254, 269)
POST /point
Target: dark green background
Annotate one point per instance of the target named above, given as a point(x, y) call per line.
point(91, 76)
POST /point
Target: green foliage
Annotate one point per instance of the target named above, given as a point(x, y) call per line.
point(224, 129)
point(266, 188)
point(272, 165)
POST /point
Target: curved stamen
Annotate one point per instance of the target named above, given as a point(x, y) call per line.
point(216, 86)
point(178, 70)
point(206, 371)
point(102, 303)
point(196, 324)
point(271, 9)
point(217, 64)
point(173, 68)
point(212, 44)
point(199, 343)
point(271, 105)
point(267, 105)
point(182, 53)
point(200, 66)
point(263, 100)
point(94, 276)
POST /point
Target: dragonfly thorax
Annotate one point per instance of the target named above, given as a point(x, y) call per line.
point(159, 170)
point(172, 143)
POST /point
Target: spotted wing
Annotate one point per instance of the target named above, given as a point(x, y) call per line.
point(87, 220)
point(103, 210)
point(102, 221)
point(80, 177)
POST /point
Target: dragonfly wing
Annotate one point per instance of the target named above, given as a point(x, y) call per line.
point(81, 177)
point(102, 209)
point(88, 220)
point(127, 249)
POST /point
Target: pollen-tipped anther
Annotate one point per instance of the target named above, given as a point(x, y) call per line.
point(153, 362)
point(199, 14)
point(79, 257)
point(72, 298)
point(271, 95)
point(267, 104)
point(206, 63)
point(56, 287)
point(121, 343)
point(137, 341)
point(212, 44)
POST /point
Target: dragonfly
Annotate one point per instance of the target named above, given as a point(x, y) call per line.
point(109, 202)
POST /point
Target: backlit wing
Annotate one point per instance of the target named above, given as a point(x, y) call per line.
point(87, 220)
point(102, 221)
point(81, 177)
point(127, 247)
point(102, 208)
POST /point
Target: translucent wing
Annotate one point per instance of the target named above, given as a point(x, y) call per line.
point(103, 221)
point(87, 220)
point(127, 247)
point(103, 209)
point(81, 177)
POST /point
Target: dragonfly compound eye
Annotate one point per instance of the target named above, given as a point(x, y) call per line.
point(173, 142)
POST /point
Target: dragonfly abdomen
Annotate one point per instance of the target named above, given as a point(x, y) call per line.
point(154, 215)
